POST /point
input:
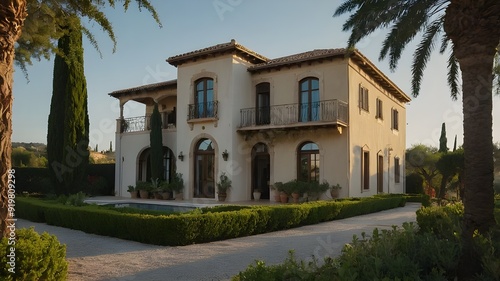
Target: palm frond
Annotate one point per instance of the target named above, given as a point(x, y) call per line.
point(453, 75)
point(423, 52)
point(414, 19)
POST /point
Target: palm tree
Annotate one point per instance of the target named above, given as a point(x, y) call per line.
point(471, 31)
point(40, 23)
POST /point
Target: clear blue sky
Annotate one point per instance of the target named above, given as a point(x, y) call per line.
point(271, 28)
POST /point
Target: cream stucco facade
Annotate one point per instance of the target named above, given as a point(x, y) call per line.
point(320, 115)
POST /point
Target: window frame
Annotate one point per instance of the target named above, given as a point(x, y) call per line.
point(308, 154)
point(365, 170)
point(379, 109)
point(397, 170)
point(313, 107)
point(395, 119)
point(363, 97)
point(208, 107)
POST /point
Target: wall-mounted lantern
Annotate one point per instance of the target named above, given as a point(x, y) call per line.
point(225, 155)
point(181, 156)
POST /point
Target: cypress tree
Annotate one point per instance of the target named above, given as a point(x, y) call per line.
point(156, 144)
point(455, 144)
point(68, 125)
point(443, 140)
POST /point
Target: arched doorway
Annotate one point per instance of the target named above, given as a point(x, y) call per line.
point(144, 168)
point(204, 164)
point(261, 169)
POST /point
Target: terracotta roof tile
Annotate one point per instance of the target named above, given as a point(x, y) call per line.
point(231, 46)
point(301, 57)
point(145, 88)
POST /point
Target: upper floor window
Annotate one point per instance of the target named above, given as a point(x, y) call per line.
point(204, 104)
point(395, 119)
point(308, 162)
point(379, 114)
point(309, 99)
point(363, 98)
point(263, 104)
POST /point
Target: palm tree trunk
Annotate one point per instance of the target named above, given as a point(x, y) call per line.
point(12, 15)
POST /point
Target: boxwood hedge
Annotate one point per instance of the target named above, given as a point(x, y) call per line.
point(200, 226)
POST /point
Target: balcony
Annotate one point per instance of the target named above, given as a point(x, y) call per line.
point(143, 123)
point(327, 113)
point(203, 111)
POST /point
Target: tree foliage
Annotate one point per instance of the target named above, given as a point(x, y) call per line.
point(68, 126)
point(42, 27)
point(443, 140)
point(156, 143)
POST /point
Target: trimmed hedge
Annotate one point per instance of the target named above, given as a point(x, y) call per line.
point(199, 226)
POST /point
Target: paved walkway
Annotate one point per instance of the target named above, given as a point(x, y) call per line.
point(93, 257)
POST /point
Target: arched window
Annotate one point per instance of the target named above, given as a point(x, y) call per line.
point(204, 98)
point(204, 183)
point(144, 167)
point(309, 99)
point(308, 162)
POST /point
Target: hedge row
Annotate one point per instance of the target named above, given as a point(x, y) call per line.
point(199, 226)
point(100, 180)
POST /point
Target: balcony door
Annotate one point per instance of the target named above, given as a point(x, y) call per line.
point(263, 104)
point(204, 98)
point(309, 99)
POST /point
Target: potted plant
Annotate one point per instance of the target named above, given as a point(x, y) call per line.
point(256, 194)
point(223, 186)
point(315, 190)
point(286, 190)
point(165, 190)
point(144, 188)
point(297, 189)
point(277, 187)
point(133, 191)
point(334, 191)
point(177, 186)
point(155, 184)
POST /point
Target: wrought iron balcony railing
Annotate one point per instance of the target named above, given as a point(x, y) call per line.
point(143, 123)
point(334, 111)
point(203, 110)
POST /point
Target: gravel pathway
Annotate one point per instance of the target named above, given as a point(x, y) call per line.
point(94, 257)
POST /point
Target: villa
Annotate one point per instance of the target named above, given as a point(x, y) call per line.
point(323, 115)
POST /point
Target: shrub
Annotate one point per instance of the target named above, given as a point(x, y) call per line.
point(200, 226)
point(397, 254)
point(414, 184)
point(38, 257)
point(444, 221)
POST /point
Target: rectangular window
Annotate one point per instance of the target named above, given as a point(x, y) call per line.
point(395, 119)
point(365, 170)
point(397, 170)
point(363, 98)
point(378, 114)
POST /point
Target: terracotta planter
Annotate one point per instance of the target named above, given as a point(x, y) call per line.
point(133, 194)
point(295, 197)
point(334, 193)
point(165, 195)
point(283, 197)
point(179, 196)
point(222, 196)
point(144, 194)
point(158, 195)
point(277, 196)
